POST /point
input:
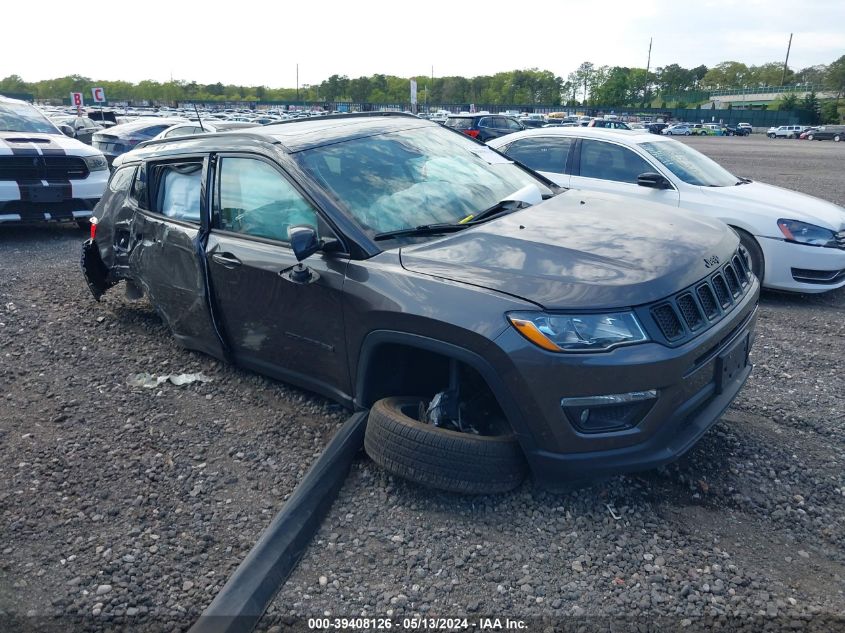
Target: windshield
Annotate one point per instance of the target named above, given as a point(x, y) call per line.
point(22, 117)
point(406, 179)
point(692, 167)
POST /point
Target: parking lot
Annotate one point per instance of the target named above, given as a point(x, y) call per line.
point(123, 502)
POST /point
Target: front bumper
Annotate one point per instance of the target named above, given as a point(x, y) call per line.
point(802, 268)
point(56, 201)
point(693, 391)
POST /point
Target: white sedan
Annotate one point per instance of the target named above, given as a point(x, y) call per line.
point(796, 242)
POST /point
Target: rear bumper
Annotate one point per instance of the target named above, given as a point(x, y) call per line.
point(96, 274)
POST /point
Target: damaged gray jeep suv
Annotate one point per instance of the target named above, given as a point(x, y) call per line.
point(491, 322)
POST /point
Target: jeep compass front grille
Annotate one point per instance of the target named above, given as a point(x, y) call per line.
point(695, 309)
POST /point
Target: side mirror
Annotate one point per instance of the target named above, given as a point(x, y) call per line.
point(653, 180)
point(67, 130)
point(303, 241)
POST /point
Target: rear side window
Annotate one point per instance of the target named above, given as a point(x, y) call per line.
point(458, 123)
point(542, 154)
point(122, 179)
point(150, 132)
point(138, 193)
point(178, 187)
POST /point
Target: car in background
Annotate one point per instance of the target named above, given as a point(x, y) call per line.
point(83, 127)
point(745, 126)
point(796, 242)
point(736, 130)
point(44, 174)
point(810, 131)
point(483, 127)
point(489, 321)
point(712, 129)
point(698, 129)
point(786, 131)
point(609, 124)
point(121, 138)
point(835, 133)
point(678, 129)
point(656, 127)
point(193, 127)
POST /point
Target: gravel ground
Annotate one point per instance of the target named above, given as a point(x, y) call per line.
point(122, 504)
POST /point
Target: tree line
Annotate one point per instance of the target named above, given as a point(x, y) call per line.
point(588, 85)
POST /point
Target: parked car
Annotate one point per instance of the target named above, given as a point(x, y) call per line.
point(745, 126)
point(393, 266)
point(682, 129)
point(207, 127)
point(712, 129)
point(83, 127)
point(44, 174)
point(611, 124)
point(736, 130)
point(785, 131)
point(483, 126)
point(121, 138)
point(656, 128)
point(698, 129)
point(796, 242)
point(808, 132)
point(827, 132)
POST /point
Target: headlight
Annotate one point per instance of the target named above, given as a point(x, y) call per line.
point(578, 332)
point(803, 233)
point(96, 163)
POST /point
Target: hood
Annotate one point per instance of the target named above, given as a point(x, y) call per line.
point(11, 141)
point(776, 201)
point(580, 250)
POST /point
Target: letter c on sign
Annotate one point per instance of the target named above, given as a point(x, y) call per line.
point(98, 94)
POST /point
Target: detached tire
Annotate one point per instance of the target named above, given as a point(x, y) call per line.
point(448, 460)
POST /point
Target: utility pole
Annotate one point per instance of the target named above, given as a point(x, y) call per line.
point(647, 67)
point(788, 47)
point(297, 82)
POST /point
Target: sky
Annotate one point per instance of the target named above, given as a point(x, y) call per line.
point(259, 42)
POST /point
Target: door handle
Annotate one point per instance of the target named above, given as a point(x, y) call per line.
point(226, 259)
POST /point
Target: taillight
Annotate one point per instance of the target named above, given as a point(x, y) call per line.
point(472, 133)
point(93, 220)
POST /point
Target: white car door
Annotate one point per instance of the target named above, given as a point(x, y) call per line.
point(613, 168)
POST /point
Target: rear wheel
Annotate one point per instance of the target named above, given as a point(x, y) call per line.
point(449, 460)
point(772, 135)
point(687, 133)
point(810, 137)
point(837, 138)
point(755, 253)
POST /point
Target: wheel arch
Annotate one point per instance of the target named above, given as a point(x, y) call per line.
point(745, 231)
point(370, 382)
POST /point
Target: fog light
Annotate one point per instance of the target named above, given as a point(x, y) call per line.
point(612, 412)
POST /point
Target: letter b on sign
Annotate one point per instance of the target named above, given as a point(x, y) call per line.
point(76, 99)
